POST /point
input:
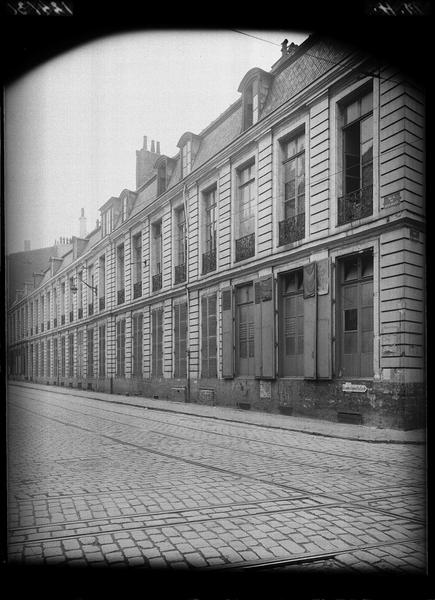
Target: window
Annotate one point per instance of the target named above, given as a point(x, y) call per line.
point(48, 309)
point(245, 218)
point(102, 281)
point(90, 289)
point(42, 359)
point(356, 316)
point(209, 254)
point(157, 342)
point(137, 265)
point(180, 335)
point(42, 312)
point(137, 344)
point(120, 348)
point(124, 207)
point(80, 295)
point(292, 227)
point(48, 360)
point(357, 161)
point(90, 353)
point(208, 336)
point(55, 359)
point(62, 303)
point(157, 256)
point(36, 315)
point(55, 307)
point(36, 360)
point(62, 356)
point(71, 355)
point(161, 179)
point(102, 350)
point(120, 273)
point(250, 105)
point(186, 158)
point(180, 245)
point(107, 221)
point(245, 319)
point(291, 330)
point(71, 305)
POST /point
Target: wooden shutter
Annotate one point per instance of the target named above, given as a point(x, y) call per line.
point(227, 333)
point(310, 321)
point(204, 337)
point(324, 357)
point(264, 328)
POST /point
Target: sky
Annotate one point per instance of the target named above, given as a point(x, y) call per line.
point(73, 125)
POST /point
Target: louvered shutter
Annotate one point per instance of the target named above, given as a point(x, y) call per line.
point(264, 328)
point(310, 320)
point(227, 333)
point(324, 359)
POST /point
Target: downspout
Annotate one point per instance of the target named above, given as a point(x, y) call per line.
point(186, 213)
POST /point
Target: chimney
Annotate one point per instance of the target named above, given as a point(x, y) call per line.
point(152, 146)
point(82, 224)
point(158, 147)
point(26, 245)
point(145, 142)
point(284, 47)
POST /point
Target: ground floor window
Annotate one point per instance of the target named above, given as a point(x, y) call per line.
point(245, 330)
point(102, 350)
point(90, 353)
point(71, 355)
point(291, 324)
point(137, 344)
point(120, 348)
point(62, 356)
point(208, 336)
point(80, 354)
point(48, 361)
point(55, 358)
point(180, 335)
point(36, 360)
point(157, 342)
point(355, 322)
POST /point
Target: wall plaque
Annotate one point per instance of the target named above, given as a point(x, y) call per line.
point(354, 387)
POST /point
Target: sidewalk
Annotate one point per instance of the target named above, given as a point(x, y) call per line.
point(277, 421)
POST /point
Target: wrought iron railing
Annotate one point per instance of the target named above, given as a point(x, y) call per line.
point(90, 309)
point(62, 319)
point(180, 273)
point(292, 229)
point(355, 205)
point(137, 289)
point(101, 303)
point(157, 282)
point(80, 313)
point(71, 316)
point(245, 247)
point(209, 261)
point(121, 296)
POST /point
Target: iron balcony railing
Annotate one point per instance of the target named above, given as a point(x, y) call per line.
point(245, 247)
point(157, 282)
point(137, 289)
point(101, 303)
point(90, 309)
point(355, 205)
point(180, 273)
point(121, 296)
point(209, 261)
point(292, 229)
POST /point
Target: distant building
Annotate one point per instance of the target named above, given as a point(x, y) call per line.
point(275, 263)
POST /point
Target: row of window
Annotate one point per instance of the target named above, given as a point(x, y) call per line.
point(247, 320)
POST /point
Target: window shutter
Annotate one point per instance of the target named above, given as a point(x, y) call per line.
point(204, 337)
point(310, 320)
point(227, 333)
point(324, 359)
point(264, 329)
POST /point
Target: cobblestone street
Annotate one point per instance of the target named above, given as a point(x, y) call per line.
point(96, 483)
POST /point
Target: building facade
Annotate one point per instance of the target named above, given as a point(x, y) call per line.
point(275, 263)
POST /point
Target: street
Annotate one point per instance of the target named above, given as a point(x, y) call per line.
point(96, 483)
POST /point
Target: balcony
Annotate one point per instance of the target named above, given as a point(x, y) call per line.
point(157, 282)
point(90, 309)
point(102, 303)
point(71, 316)
point(209, 261)
point(55, 322)
point(245, 247)
point(137, 289)
point(180, 273)
point(292, 229)
point(80, 313)
point(355, 205)
point(121, 296)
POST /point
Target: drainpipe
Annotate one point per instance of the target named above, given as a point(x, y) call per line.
point(186, 213)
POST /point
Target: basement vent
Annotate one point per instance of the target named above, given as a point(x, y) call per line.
point(349, 417)
point(244, 405)
point(286, 410)
point(156, 396)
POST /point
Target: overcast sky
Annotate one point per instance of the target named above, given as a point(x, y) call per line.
point(72, 126)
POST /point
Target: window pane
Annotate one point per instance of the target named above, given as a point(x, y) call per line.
point(350, 296)
point(367, 319)
point(352, 112)
point(351, 343)
point(350, 268)
point(367, 103)
point(367, 265)
point(351, 319)
point(291, 148)
point(367, 129)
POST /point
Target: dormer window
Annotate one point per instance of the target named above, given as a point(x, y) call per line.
point(107, 221)
point(161, 179)
point(254, 88)
point(124, 208)
point(250, 105)
point(186, 158)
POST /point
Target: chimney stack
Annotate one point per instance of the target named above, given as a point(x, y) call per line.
point(82, 223)
point(152, 146)
point(26, 245)
point(145, 142)
point(284, 47)
point(158, 147)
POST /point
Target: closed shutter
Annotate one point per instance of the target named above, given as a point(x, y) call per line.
point(264, 328)
point(204, 361)
point(310, 320)
point(227, 333)
point(180, 330)
point(324, 357)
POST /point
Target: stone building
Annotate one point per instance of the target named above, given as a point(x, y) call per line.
point(275, 263)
